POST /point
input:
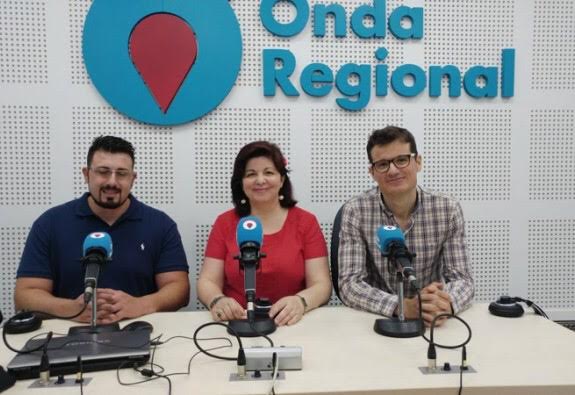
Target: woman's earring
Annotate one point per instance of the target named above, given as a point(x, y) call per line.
point(243, 201)
point(281, 197)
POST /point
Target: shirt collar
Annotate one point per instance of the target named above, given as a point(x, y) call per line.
point(418, 203)
point(133, 213)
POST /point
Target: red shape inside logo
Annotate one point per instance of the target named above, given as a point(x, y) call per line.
point(163, 49)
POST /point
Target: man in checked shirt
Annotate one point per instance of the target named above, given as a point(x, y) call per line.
point(433, 227)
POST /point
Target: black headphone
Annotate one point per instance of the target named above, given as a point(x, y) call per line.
point(23, 322)
point(508, 306)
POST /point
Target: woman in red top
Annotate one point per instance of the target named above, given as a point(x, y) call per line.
point(294, 275)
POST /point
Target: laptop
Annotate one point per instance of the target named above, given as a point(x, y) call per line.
point(99, 351)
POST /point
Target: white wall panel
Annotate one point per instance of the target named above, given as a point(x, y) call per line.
point(511, 162)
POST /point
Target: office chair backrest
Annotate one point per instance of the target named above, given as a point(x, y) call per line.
point(334, 250)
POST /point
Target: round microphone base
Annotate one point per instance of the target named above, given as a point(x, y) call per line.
point(255, 328)
point(393, 327)
point(115, 327)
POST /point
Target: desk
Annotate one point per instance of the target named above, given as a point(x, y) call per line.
point(342, 354)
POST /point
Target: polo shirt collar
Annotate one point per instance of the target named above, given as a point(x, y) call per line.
point(133, 213)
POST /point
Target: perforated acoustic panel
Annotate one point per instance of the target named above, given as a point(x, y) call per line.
point(77, 15)
point(339, 163)
point(508, 161)
point(12, 240)
point(25, 167)
point(488, 246)
point(218, 138)
point(551, 154)
point(154, 151)
point(337, 51)
point(23, 49)
point(201, 234)
point(553, 45)
point(551, 272)
point(255, 37)
point(467, 153)
point(466, 33)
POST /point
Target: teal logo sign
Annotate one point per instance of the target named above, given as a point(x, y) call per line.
point(407, 80)
point(162, 62)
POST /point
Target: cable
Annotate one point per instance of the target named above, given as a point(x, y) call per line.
point(19, 315)
point(432, 327)
point(275, 370)
point(192, 358)
point(44, 370)
point(80, 374)
point(152, 359)
point(538, 310)
point(191, 338)
point(151, 376)
point(206, 351)
point(462, 368)
point(431, 353)
point(261, 334)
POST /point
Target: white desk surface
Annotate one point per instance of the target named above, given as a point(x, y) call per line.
point(343, 355)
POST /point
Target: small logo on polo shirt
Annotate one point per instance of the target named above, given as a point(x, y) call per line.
point(142, 246)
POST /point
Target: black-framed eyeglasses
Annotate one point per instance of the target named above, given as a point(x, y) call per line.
point(400, 161)
point(106, 172)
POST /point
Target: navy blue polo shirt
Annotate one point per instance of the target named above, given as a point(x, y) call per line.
point(145, 242)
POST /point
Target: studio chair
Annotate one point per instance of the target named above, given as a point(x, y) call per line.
point(334, 249)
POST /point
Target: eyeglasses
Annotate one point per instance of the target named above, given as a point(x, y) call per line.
point(106, 172)
point(400, 161)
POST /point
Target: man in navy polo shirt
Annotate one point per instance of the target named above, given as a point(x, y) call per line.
point(148, 271)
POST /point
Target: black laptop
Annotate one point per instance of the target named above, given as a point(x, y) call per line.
point(100, 351)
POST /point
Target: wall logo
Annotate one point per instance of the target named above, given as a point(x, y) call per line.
point(162, 62)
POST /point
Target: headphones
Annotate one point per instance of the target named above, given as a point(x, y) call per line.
point(23, 322)
point(508, 306)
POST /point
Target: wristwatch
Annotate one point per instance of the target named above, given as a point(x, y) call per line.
point(303, 301)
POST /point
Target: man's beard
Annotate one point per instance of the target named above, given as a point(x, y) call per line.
point(108, 204)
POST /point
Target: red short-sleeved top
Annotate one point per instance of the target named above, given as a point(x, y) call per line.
point(282, 271)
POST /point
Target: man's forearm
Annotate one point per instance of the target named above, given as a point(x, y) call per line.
point(461, 292)
point(43, 301)
point(365, 297)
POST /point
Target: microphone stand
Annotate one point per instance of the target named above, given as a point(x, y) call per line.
point(398, 326)
point(254, 325)
point(94, 312)
point(94, 328)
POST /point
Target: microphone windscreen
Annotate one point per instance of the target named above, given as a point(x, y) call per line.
point(250, 230)
point(386, 235)
point(98, 242)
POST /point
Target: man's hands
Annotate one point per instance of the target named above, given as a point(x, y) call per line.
point(86, 316)
point(111, 306)
point(434, 301)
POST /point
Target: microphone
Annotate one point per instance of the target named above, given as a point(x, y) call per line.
point(97, 250)
point(391, 243)
point(249, 236)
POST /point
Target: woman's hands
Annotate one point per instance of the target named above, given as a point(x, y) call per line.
point(288, 310)
point(225, 309)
